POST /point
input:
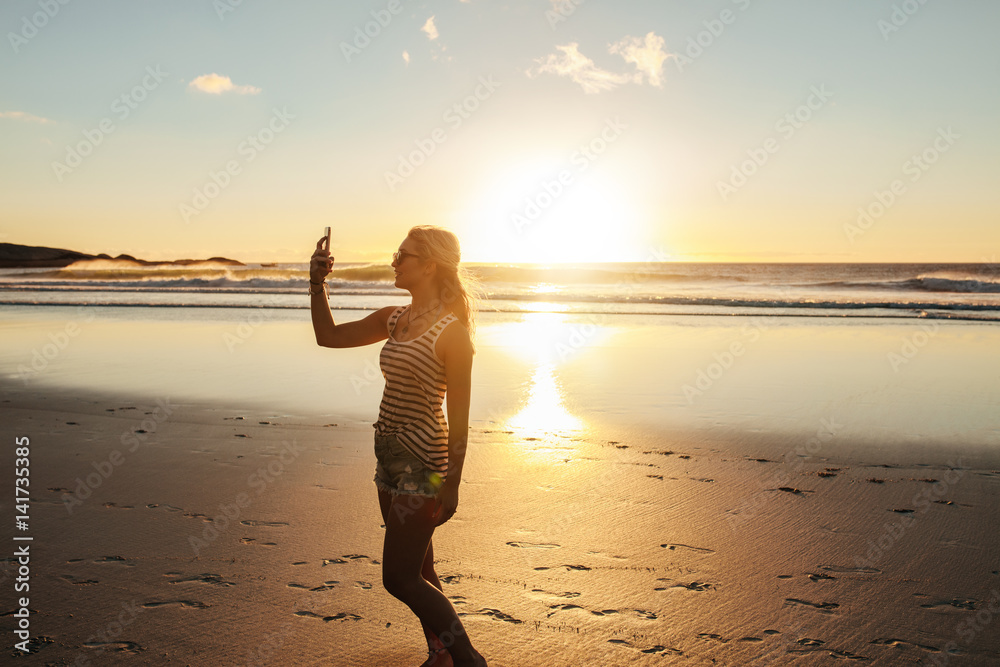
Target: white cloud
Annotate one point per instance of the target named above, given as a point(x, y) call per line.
point(647, 55)
point(580, 69)
point(406, 57)
point(22, 116)
point(430, 29)
point(216, 84)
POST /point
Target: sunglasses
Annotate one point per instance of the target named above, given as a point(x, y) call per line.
point(400, 255)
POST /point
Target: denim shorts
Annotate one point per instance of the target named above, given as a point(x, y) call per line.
point(399, 472)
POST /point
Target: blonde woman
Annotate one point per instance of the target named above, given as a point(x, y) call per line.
point(420, 454)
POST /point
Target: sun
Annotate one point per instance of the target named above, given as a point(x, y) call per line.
point(543, 214)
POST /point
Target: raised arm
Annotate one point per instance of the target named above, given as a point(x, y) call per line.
point(366, 331)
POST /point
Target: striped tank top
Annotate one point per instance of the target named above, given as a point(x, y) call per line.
point(414, 392)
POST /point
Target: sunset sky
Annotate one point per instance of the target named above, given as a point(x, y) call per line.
point(723, 130)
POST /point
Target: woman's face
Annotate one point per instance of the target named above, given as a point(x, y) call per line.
point(408, 267)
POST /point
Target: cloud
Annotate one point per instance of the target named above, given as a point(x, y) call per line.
point(406, 57)
point(430, 29)
point(22, 116)
point(647, 56)
point(580, 69)
point(216, 84)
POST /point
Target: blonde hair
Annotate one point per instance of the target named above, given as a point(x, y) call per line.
point(460, 290)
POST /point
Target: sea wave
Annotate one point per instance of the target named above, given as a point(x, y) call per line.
point(923, 283)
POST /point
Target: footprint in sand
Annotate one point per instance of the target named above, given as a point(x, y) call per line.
point(794, 491)
point(534, 545)
point(78, 582)
point(183, 603)
point(841, 569)
point(110, 505)
point(568, 567)
point(544, 593)
point(115, 647)
point(674, 547)
point(817, 577)
point(659, 648)
point(887, 641)
point(169, 508)
point(347, 558)
point(696, 586)
point(825, 607)
point(807, 645)
point(969, 604)
point(205, 578)
point(342, 616)
point(326, 586)
point(113, 560)
point(561, 607)
point(493, 613)
point(266, 524)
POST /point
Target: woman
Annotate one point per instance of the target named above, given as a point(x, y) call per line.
point(420, 455)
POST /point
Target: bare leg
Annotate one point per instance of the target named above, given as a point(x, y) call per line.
point(428, 573)
point(408, 530)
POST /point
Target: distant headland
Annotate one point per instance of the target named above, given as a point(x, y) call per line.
point(13, 256)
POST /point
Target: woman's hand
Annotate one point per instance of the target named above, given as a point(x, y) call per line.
point(447, 502)
point(321, 263)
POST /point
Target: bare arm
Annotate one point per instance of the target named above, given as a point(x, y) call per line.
point(457, 357)
point(366, 331)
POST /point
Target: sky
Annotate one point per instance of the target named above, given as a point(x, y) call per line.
point(536, 130)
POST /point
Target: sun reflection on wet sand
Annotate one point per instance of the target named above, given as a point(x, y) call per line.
point(544, 411)
point(544, 342)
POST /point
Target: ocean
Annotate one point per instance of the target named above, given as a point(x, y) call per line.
point(936, 291)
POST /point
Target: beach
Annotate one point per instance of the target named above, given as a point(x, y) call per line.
point(634, 492)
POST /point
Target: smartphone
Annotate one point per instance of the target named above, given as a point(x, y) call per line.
point(327, 234)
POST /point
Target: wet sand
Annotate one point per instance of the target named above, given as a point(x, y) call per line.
point(226, 536)
point(813, 504)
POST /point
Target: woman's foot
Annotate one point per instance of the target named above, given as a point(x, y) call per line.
point(438, 657)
